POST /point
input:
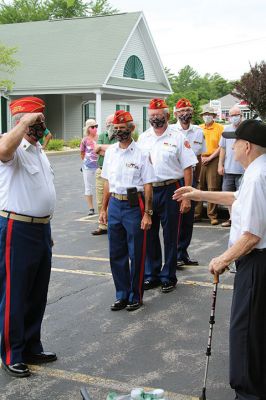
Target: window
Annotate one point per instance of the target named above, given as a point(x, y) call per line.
point(145, 119)
point(134, 68)
point(124, 107)
point(90, 111)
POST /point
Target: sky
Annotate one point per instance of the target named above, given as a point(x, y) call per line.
point(209, 35)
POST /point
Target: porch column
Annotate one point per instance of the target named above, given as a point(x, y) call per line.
point(99, 110)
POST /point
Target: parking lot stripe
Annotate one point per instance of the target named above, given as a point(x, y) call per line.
point(97, 273)
point(80, 257)
point(103, 383)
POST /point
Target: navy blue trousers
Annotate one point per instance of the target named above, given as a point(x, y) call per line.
point(185, 229)
point(127, 241)
point(165, 212)
point(25, 265)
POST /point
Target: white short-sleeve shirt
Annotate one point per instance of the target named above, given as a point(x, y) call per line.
point(231, 166)
point(26, 182)
point(170, 153)
point(194, 134)
point(249, 208)
point(126, 168)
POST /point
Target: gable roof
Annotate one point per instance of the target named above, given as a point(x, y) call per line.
point(69, 54)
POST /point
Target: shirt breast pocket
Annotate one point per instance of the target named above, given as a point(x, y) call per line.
point(131, 174)
point(33, 176)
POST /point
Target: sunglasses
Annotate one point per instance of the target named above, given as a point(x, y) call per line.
point(93, 126)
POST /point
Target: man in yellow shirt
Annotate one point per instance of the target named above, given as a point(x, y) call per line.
point(209, 178)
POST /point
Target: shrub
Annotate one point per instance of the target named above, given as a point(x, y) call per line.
point(55, 144)
point(73, 143)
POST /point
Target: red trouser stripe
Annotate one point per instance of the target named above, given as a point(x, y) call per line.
point(143, 253)
point(7, 306)
point(179, 218)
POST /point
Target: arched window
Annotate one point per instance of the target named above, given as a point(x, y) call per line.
point(134, 68)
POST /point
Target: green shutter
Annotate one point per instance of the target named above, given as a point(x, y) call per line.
point(128, 108)
point(117, 107)
point(144, 118)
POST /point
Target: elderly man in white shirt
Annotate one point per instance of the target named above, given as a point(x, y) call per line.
point(194, 134)
point(247, 247)
point(128, 195)
point(172, 159)
point(27, 201)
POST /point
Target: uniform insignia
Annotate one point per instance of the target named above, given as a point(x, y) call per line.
point(186, 144)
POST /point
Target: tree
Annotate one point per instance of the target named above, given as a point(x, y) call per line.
point(198, 89)
point(8, 65)
point(39, 10)
point(252, 88)
point(101, 7)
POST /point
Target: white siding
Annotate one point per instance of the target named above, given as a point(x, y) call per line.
point(136, 110)
point(73, 117)
point(137, 48)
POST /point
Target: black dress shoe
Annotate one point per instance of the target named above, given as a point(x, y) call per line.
point(189, 261)
point(168, 287)
point(180, 264)
point(99, 232)
point(134, 305)
point(151, 284)
point(40, 358)
point(119, 305)
point(19, 370)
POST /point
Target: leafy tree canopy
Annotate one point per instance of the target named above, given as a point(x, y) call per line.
point(252, 88)
point(38, 10)
point(198, 89)
point(8, 65)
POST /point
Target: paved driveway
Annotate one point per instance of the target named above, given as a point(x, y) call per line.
point(162, 344)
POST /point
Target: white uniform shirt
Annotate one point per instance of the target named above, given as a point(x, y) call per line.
point(231, 166)
point(170, 153)
point(194, 134)
point(126, 168)
point(249, 208)
point(26, 182)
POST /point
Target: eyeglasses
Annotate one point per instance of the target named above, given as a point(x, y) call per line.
point(93, 126)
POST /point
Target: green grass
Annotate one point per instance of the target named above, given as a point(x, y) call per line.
point(73, 143)
point(55, 144)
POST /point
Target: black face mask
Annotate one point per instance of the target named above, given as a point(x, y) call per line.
point(122, 136)
point(185, 118)
point(157, 122)
point(36, 131)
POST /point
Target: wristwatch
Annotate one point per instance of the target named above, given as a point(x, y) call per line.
point(149, 212)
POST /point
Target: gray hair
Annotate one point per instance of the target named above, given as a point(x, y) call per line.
point(165, 110)
point(16, 118)
point(259, 149)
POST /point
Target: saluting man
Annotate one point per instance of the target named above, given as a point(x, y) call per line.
point(27, 202)
point(172, 159)
point(128, 172)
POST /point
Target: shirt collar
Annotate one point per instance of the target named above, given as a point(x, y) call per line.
point(255, 163)
point(131, 147)
point(25, 145)
point(179, 126)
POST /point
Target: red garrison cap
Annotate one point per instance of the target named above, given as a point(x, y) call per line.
point(156, 104)
point(27, 105)
point(182, 103)
point(122, 116)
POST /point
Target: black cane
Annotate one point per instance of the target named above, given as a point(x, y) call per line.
point(84, 394)
point(211, 322)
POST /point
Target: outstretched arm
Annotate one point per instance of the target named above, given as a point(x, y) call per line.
point(188, 192)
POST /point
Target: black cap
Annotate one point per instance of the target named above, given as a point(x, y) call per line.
point(251, 130)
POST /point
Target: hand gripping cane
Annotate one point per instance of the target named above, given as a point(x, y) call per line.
point(212, 322)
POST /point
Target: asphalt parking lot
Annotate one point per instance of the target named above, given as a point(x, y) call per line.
point(161, 345)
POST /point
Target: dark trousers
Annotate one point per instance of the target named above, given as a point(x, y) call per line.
point(185, 229)
point(25, 266)
point(126, 241)
point(166, 212)
point(248, 327)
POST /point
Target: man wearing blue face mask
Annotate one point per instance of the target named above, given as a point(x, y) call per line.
point(209, 178)
point(230, 169)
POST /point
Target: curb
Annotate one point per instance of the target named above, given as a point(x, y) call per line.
point(62, 152)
